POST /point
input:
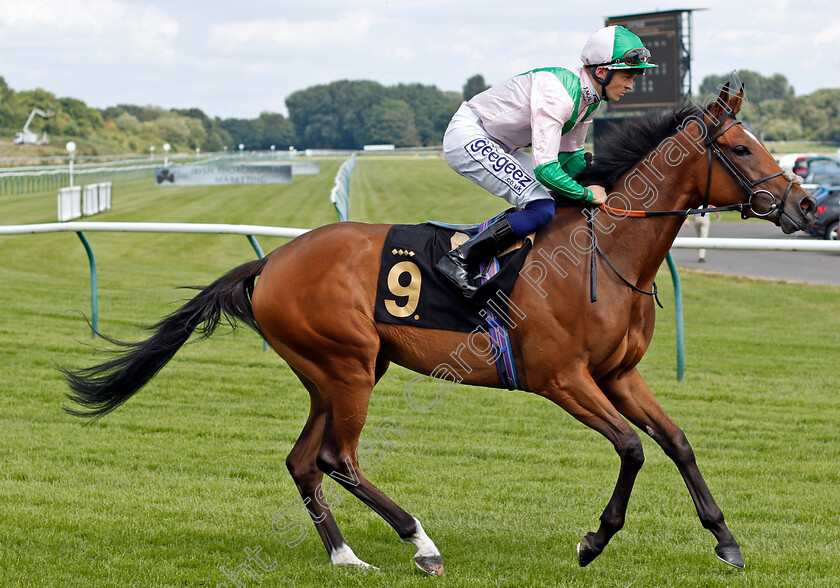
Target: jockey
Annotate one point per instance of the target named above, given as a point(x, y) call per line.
point(549, 110)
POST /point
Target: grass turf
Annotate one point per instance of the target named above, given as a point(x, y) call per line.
point(176, 484)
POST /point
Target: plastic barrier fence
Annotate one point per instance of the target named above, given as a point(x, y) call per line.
point(96, 198)
point(69, 203)
point(340, 194)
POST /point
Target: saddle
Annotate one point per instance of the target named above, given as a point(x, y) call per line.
point(411, 292)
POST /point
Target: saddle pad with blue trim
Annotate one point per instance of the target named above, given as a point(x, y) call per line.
point(411, 292)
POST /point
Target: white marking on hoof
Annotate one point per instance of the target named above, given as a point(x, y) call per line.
point(425, 546)
point(344, 556)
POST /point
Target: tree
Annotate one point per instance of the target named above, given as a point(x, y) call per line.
point(177, 130)
point(781, 130)
point(475, 85)
point(825, 104)
point(775, 112)
point(215, 136)
point(87, 120)
point(348, 114)
point(8, 104)
point(242, 131)
point(141, 113)
point(217, 139)
point(432, 109)
point(392, 122)
point(757, 88)
point(277, 130)
point(128, 123)
point(334, 116)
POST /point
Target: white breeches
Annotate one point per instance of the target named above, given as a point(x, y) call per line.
point(474, 154)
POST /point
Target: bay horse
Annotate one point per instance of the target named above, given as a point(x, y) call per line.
point(312, 300)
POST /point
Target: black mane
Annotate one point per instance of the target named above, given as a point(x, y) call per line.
point(628, 143)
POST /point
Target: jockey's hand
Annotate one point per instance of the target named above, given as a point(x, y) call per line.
point(599, 194)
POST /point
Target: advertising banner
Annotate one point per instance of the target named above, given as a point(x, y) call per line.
point(209, 175)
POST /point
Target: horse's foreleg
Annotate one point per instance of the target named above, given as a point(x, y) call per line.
point(632, 397)
point(337, 458)
point(583, 399)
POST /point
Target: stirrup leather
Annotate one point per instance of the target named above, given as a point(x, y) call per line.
point(460, 265)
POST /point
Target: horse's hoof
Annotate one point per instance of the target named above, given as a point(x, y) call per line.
point(344, 556)
point(730, 555)
point(586, 551)
point(431, 564)
point(359, 565)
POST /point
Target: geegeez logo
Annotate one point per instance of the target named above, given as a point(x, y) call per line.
point(498, 163)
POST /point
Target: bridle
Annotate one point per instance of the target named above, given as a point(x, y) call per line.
point(712, 134)
point(712, 148)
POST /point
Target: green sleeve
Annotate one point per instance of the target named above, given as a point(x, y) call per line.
point(572, 162)
point(558, 176)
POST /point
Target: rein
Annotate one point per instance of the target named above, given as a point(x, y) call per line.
point(651, 213)
point(593, 269)
point(713, 149)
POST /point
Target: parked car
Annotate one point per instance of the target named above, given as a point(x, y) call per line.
point(828, 212)
point(816, 169)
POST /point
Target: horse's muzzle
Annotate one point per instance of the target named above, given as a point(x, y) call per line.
point(798, 213)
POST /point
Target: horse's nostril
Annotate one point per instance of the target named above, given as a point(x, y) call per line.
point(808, 205)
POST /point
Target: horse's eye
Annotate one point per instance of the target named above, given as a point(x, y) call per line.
point(741, 150)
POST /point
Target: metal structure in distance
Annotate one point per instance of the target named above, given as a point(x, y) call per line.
point(668, 36)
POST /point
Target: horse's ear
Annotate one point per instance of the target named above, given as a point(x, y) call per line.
point(724, 94)
point(737, 101)
point(721, 105)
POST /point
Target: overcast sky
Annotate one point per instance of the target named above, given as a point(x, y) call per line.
point(237, 58)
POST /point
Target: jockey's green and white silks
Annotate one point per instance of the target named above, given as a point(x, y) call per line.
point(548, 109)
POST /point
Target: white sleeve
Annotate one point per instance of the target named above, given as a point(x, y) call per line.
point(574, 140)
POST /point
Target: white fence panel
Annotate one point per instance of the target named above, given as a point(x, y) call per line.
point(104, 196)
point(90, 200)
point(69, 203)
point(96, 198)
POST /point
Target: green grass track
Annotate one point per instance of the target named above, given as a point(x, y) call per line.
point(181, 480)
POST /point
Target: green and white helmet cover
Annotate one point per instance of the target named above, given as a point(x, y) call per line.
point(609, 46)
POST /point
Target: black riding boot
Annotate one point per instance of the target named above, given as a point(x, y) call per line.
point(461, 265)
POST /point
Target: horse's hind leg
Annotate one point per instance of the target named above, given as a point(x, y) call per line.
point(308, 478)
point(337, 458)
point(632, 397)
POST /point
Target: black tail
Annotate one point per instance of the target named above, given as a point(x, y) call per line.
point(102, 388)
